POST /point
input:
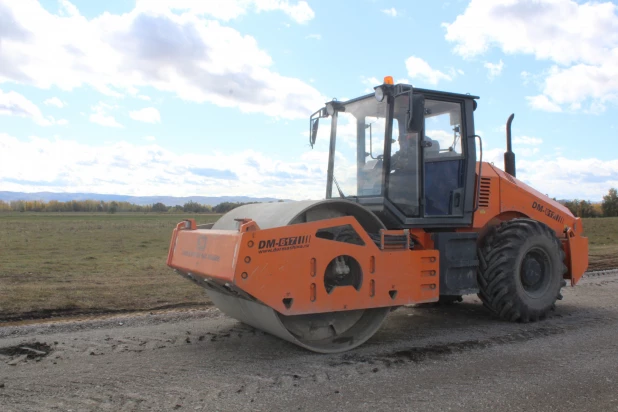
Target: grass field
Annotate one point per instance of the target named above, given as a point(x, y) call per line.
point(603, 241)
point(76, 262)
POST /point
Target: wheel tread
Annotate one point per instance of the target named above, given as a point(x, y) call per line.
point(497, 257)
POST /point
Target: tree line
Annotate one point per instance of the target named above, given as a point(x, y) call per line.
point(94, 206)
point(584, 208)
point(580, 208)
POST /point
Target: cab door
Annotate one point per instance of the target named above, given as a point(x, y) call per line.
point(444, 159)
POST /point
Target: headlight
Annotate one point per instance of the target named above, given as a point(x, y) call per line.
point(330, 109)
point(379, 93)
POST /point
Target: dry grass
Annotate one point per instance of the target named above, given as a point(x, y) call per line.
point(98, 262)
point(89, 262)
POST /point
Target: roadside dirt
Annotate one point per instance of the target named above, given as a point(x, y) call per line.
point(12, 319)
point(603, 261)
point(440, 358)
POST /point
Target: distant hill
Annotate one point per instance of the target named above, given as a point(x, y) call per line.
point(138, 200)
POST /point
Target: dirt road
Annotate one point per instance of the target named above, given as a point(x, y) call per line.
point(433, 358)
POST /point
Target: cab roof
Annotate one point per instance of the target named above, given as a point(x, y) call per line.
point(407, 87)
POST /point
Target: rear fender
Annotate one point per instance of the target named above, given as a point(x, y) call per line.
point(576, 255)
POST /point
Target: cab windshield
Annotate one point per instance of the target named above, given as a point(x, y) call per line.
point(360, 145)
point(359, 148)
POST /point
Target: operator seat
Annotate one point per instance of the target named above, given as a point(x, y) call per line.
point(442, 179)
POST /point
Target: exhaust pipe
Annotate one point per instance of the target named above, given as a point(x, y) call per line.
point(509, 156)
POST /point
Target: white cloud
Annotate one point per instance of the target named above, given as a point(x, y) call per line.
point(494, 69)
point(150, 138)
point(146, 115)
point(420, 69)
point(300, 13)
point(186, 54)
point(68, 9)
point(453, 72)
point(314, 36)
point(230, 9)
point(572, 85)
point(570, 178)
point(100, 116)
point(391, 12)
point(148, 169)
point(559, 176)
point(54, 101)
point(580, 38)
point(527, 140)
point(527, 77)
point(527, 151)
point(558, 30)
point(542, 102)
point(15, 104)
point(370, 83)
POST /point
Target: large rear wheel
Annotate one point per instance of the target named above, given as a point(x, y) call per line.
point(521, 268)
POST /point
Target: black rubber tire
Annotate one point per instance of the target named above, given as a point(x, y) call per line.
point(501, 257)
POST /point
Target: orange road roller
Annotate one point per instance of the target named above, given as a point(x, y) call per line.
point(411, 215)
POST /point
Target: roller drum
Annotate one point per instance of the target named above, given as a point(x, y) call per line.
point(324, 332)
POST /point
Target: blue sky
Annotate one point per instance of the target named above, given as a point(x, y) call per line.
point(162, 97)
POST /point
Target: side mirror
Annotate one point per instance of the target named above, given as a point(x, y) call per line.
point(314, 122)
point(314, 130)
point(416, 113)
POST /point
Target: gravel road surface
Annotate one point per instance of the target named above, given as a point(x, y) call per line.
point(455, 358)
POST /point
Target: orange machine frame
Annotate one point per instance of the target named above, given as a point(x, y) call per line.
point(503, 197)
point(284, 267)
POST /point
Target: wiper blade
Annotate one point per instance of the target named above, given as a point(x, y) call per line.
point(338, 188)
